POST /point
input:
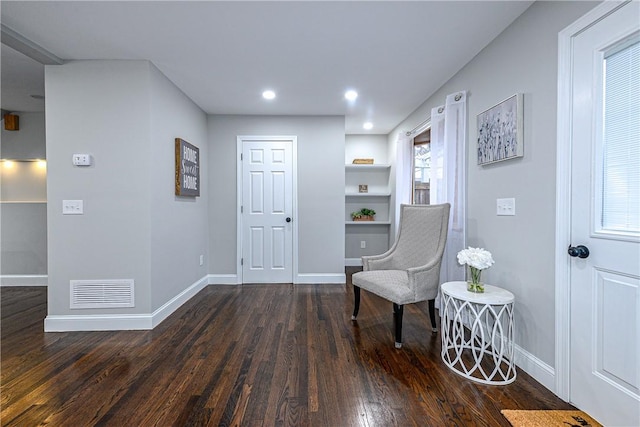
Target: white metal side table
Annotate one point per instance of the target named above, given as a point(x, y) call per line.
point(477, 333)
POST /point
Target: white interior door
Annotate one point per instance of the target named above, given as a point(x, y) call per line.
point(267, 211)
point(605, 187)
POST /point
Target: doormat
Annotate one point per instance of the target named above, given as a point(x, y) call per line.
point(519, 418)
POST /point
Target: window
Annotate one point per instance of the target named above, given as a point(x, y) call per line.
point(422, 167)
point(620, 152)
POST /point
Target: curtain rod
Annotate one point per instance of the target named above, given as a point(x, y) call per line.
point(458, 97)
point(419, 126)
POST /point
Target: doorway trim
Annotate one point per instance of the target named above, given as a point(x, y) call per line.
point(294, 148)
point(563, 192)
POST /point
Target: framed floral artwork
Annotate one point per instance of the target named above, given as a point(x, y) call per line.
point(500, 131)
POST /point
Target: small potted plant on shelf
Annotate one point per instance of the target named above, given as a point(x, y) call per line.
point(363, 214)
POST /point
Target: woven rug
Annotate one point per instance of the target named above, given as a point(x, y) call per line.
point(519, 418)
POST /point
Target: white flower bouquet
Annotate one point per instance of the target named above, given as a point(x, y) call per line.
point(477, 259)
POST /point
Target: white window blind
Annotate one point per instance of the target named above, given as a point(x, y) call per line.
point(621, 137)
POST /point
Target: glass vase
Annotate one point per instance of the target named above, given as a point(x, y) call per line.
point(474, 284)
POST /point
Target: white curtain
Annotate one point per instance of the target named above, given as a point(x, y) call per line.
point(404, 173)
point(448, 176)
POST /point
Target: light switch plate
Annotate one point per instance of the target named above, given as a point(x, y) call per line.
point(72, 207)
point(506, 207)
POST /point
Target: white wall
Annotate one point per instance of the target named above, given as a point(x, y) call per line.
point(23, 232)
point(320, 188)
point(23, 181)
point(23, 202)
point(126, 115)
point(179, 225)
point(521, 59)
point(26, 143)
point(101, 108)
point(366, 147)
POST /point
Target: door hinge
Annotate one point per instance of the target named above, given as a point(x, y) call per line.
point(241, 209)
point(240, 156)
point(241, 261)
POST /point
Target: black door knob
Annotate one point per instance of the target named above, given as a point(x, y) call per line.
point(579, 251)
point(288, 219)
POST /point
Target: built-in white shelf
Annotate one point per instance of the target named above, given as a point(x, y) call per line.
point(371, 194)
point(367, 237)
point(368, 222)
point(365, 167)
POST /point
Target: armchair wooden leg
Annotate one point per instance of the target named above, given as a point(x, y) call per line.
point(432, 314)
point(356, 306)
point(397, 322)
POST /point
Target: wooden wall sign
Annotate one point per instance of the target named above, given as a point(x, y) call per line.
point(11, 122)
point(187, 169)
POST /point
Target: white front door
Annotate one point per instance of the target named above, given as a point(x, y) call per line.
point(267, 210)
point(604, 355)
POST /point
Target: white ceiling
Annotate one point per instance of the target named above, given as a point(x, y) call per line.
point(224, 54)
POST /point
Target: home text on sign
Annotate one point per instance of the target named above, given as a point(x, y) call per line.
point(187, 169)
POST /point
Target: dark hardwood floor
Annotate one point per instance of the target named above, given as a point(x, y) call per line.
point(252, 355)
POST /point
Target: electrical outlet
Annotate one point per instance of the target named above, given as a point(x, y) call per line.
point(363, 244)
point(201, 259)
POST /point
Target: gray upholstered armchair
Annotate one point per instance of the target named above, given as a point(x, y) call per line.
point(409, 272)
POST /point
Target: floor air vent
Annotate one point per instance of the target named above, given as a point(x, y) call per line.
point(102, 293)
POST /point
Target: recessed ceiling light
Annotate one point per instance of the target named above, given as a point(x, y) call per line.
point(368, 125)
point(268, 94)
point(351, 95)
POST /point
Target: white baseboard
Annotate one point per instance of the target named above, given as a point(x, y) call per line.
point(320, 278)
point(224, 279)
point(121, 322)
point(539, 370)
point(174, 303)
point(97, 322)
point(24, 280)
point(353, 262)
